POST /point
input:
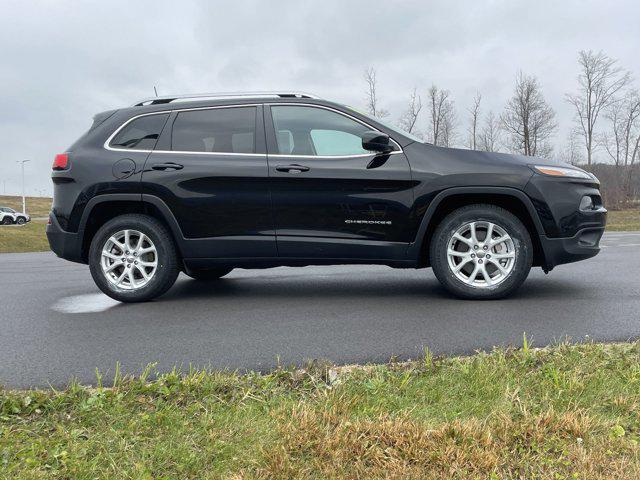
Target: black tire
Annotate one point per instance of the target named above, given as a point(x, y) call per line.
point(7, 221)
point(167, 269)
point(209, 274)
point(523, 251)
point(21, 221)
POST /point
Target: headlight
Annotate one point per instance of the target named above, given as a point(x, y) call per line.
point(562, 172)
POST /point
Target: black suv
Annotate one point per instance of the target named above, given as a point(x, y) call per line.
point(207, 183)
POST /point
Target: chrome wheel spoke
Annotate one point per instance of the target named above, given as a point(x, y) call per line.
point(489, 236)
point(465, 240)
point(498, 241)
point(486, 276)
point(498, 266)
point(474, 236)
point(461, 265)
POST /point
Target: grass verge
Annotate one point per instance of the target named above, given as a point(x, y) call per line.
point(623, 220)
point(564, 412)
point(25, 238)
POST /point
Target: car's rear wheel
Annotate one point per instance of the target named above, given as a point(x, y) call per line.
point(209, 274)
point(7, 221)
point(481, 252)
point(133, 258)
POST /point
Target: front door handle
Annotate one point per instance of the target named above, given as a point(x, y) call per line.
point(167, 166)
point(292, 168)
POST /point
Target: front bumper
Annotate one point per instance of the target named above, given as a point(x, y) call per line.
point(64, 244)
point(584, 244)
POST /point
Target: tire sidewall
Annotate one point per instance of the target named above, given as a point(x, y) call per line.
point(165, 256)
point(522, 247)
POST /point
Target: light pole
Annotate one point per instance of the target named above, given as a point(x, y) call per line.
point(24, 203)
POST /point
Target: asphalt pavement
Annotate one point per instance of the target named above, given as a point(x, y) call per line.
point(55, 325)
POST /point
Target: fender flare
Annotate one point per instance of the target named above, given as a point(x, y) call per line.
point(157, 202)
point(416, 246)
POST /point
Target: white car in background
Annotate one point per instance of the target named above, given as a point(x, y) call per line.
point(9, 216)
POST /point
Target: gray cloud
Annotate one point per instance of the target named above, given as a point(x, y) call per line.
point(62, 62)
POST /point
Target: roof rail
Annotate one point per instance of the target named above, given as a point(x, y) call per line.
point(203, 96)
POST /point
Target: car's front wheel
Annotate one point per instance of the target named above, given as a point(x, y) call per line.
point(481, 252)
point(133, 258)
point(21, 221)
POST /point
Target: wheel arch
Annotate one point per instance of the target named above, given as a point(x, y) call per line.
point(511, 199)
point(103, 208)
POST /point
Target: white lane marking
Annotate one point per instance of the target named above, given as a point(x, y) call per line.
point(88, 303)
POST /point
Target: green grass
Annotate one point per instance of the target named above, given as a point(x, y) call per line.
point(623, 220)
point(565, 412)
point(26, 238)
point(37, 207)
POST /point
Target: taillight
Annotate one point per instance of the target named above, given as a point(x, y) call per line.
point(61, 162)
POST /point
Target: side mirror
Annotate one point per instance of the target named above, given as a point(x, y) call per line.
point(376, 142)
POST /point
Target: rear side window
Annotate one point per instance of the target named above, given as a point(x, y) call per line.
point(141, 133)
point(217, 130)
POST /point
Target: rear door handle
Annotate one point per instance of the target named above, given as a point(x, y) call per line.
point(292, 168)
point(167, 166)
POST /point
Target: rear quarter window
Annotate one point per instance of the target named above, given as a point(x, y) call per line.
point(141, 133)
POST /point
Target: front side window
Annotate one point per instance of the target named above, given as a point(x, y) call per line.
point(141, 133)
point(216, 130)
point(302, 130)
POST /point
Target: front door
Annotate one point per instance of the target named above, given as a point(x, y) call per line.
point(331, 198)
point(210, 168)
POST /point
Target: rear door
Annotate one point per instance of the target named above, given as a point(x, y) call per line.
point(332, 198)
point(210, 168)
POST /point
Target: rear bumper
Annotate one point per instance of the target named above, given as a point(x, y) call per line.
point(584, 244)
point(64, 244)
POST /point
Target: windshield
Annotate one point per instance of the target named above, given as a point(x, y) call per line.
point(390, 126)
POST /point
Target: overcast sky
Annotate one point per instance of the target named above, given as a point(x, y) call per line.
point(62, 62)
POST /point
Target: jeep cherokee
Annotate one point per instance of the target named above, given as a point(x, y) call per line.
point(207, 183)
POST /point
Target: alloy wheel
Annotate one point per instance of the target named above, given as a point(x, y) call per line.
point(129, 259)
point(481, 254)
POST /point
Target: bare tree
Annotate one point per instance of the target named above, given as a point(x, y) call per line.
point(528, 119)
point(475, 117)
point(372, 96)
point(599, 81)
point(443, 117)
point(410, 116)
point(490, 135)
point(622, 140)
point(572, 152)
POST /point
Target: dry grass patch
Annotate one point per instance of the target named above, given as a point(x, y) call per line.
point(322, 444)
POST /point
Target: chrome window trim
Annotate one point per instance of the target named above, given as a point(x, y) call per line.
point(339, 112)
point(276, 155)
point(107, 145)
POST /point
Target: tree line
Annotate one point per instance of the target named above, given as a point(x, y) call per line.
point(606, 106)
